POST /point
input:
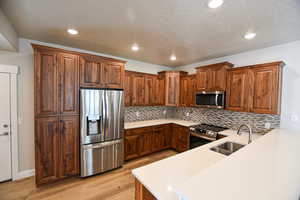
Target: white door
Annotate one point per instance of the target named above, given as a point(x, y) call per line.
point(5, 136)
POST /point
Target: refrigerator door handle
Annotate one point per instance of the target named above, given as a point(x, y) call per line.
point(101, 145)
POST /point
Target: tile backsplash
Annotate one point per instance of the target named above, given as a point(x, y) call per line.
point(217, 117)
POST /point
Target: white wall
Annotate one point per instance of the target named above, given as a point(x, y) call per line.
point(8, 35)
point(24, 59)
point(290, 54)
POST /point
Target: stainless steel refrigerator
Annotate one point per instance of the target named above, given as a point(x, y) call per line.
point(102, 130)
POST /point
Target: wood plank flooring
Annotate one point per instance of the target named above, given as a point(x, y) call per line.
point(115, 185)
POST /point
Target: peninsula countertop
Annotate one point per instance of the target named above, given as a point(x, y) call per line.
point(140, 124)
point(268, 168)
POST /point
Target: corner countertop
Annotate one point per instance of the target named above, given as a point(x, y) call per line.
point(140, 124)
point(268, 168)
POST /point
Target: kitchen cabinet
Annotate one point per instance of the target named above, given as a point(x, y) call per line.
point(172, 87)
point(255, 88)
point(143, 141)
point(69, 83)
point(238, 84)
point(99, 72)
point(141, 193)
point(69, 148)
point(138, 91)
point(128, 88)
point(46, 82)
point(113, 75)
point(47, 144)
point(149, 90)
point(187, 90)
point(213, 77)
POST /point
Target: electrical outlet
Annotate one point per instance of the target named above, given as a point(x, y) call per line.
point(164, 112)
point(294, 118)
point(267, 125)
point(137, 114)
point(187, 114)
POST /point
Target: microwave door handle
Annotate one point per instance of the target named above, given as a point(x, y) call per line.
point(216, 99)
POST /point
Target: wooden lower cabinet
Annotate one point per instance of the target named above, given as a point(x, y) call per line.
point(56, 148)
point(141, 193)
point(143, 141)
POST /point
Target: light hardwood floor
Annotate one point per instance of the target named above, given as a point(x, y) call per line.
point(115, 185)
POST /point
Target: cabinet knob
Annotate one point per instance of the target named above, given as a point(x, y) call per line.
point(5, 126)
point(4, 134)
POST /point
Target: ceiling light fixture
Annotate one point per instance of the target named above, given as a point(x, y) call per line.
point(250, 36)
point(173, 57)
point(135, 47)
point(215, 3)
point(72, 31)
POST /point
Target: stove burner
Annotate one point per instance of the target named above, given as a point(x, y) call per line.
point(207, 130)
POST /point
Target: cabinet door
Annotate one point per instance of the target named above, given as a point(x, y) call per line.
point(161, 90)
point(113, 75)
point(138, 97)
point(172, 88)
point(218, 77)
point(69, 133)
point(69, 83)
point(184, 91)
point(156, 91)
point(47, 145)
point(203, 79)
point(264, 95)
point(128, 88)
point(192, 88)
point(46, 83)
point(146, 142)
point(131, 147)
point(90, 71)
point(149, 100)
point(238, 90)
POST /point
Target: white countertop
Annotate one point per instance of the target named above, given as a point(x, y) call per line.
point(268, 168)
point(139, 124)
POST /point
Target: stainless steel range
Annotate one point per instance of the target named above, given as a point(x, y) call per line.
point(204, 133)
point(102, 128)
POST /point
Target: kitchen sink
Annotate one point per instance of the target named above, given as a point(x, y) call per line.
point(227, 148)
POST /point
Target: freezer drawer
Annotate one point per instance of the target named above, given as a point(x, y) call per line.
point(101, 157)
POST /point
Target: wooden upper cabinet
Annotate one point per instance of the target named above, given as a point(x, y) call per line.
point(266, 88)
point(128, 88)
point(149, 90)
point(172, 87)
point(255, 88)
point(90, 71)
point(46, 82)
point(138, 84)
point(237, 92)
point(69, 126)
point(69, 83)
point(47, 145)
point(113, 75)
point(192, 88)
point(213, 77)
point(184, 91)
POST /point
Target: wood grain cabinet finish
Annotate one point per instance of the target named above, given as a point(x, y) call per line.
point(47, 145)
point(146, 142)
point(149, 90)
point(255, 88)
point(213, 77)
point(128, 88)
point(69, 83)
point(113, 75)
point(69, 139)
point(180, 138)
point(138, 91)
point(131, 147)
point(91, 71)
point(237, 92)
point(46, 82)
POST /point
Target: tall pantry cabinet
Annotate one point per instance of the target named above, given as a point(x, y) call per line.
point(59, 74)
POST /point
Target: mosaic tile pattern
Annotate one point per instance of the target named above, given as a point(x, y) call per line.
point(217, 117)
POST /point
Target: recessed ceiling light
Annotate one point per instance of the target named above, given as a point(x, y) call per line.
point(173, 57)
point(215, 3)
point(250, 36)
point(135, 47)
point(72, 31)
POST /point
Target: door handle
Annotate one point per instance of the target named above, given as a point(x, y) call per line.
point(5, 126)
point(4, 134)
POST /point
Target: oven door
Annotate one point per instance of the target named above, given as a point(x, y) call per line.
point(198, 141)
point(215, 99)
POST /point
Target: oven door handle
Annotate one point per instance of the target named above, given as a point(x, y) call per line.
point(216, 99)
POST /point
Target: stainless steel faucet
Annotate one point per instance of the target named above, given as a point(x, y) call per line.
point(250, 131)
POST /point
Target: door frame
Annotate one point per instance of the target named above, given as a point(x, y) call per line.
point(13, 71)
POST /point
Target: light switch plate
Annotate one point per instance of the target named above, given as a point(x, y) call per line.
point(267, 125)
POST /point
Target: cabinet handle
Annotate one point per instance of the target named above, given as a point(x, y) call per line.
point(4, 134)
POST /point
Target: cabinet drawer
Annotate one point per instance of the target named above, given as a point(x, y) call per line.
point(137, 131)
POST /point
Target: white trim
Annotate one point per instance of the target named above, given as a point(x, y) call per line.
point(13, 71)
point(24, 174)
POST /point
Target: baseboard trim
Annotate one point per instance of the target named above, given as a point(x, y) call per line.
point(24, 174)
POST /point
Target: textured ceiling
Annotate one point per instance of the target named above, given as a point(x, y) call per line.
point(187, 28)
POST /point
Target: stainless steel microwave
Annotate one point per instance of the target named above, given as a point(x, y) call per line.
point(211, 99)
